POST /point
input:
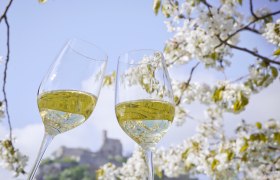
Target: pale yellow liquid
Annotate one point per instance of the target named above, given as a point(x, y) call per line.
point(62, 110)
point(145, 121)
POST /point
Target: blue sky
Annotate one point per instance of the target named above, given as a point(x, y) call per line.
point(38, 33)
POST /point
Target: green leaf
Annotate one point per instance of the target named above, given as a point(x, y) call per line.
point(177, 100)
point(244, 100)
point(240, 103)
point(230, 155)
point(259, 125)
point(263, 80)
point(244, 157)
point(268, 20)
point(263, 137)
point(181, 16)
point(240, 2)
point(277, 29)
point(165, 12)
point(274, 71)
point(158, 172)
point(42, 1)
point(276, 137)
point(277, 52)
point(264, 63)
point(99, 173)
point(218, 94)
point(237, 106)
point(245, 146)
point(258, 137)
point(214, 56)
point(185, 153)
point(214, 164)
point(189, 166)
point(254, 137)
point(196, 146)
point(156, 6)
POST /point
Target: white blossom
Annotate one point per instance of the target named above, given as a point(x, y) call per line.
point(1, 59)
point(2, 110)
point(272, 32)
point(180, 115)
point(11, 158)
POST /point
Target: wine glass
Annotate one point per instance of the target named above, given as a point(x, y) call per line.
point(68, 93)
point(144, 103)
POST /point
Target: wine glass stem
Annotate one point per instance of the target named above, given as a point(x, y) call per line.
point(45, 143)
point(149, 162)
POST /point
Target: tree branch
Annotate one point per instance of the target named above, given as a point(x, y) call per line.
point(252, 30)
point(187, 83)
point(6, 10)
point(252, 10)
point(5, 75)
point(191, 74)
point(247, 27)
point(240, 78)
point(252, 53)
point(176, 59)
point(4, 17)
point(206, 4)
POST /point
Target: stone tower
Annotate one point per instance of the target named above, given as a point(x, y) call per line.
point(110, 146)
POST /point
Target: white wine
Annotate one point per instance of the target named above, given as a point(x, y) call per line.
point(145, 121)
point(62, 110)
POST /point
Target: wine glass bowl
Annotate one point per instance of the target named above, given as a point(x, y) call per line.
point(144, 102)
point(62, 110)
point(69, 91)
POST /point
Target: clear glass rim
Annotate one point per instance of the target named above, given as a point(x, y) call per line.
point(126, 60)
point(71, 45)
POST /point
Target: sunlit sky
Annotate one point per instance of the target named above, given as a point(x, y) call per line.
point(38, 33)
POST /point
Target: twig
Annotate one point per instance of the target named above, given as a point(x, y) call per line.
point(4, 17)
point(252, 53)
point(176, 59)
point(187, 83)
point(273, 148)
point(6, 10)
point(209, 6)
point(206, 4)
point(5, 75)
point(252, 10)
point(247, 27)
point(240, 78)
point(191, 74)
point(252, 30)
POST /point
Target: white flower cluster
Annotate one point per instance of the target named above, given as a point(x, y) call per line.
point(11, 158)
point(225, 97)
point(272, 32)
point(167, 160)
point(134, 169)
point(261, 75)
point(232, 97)
point(201, 92)
point(207, 33)
point(180, 115)
point(258, 146)
point(143, 73)
point(253, 153)
point(200, 37)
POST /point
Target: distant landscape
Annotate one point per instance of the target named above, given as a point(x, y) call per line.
point(81, 164)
